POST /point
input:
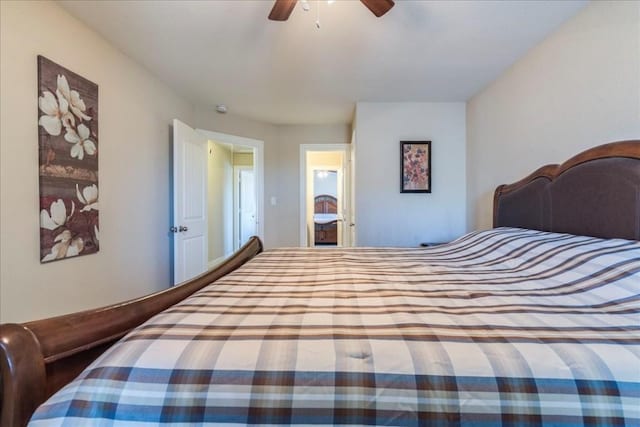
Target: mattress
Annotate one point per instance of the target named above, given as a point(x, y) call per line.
point(500, 327)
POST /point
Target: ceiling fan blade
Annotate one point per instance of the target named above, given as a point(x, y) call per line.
point(282, 9)
point(378, 7)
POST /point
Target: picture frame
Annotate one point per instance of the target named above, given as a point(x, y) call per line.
point(68, 145)
point(415, 166)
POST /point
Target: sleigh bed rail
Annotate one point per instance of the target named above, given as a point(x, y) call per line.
point(38, 358)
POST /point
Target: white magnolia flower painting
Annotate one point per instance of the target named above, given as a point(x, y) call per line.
point(81, 142)
point(56, 216)
point(68, 151)
point(88, 197)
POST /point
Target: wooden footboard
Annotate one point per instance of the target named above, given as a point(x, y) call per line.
point(38, 358)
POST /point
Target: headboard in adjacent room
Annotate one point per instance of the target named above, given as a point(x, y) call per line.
point(595, 193)
point(325, 204)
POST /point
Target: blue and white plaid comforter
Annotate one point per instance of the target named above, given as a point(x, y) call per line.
point(501, 327)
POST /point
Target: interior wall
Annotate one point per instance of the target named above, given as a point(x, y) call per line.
point(243, 159)
point(135, 110)
point(290, 138)
point(220, 201)
point(386, 217)
point(579, 88)
point(325, 160)
point(326, 185)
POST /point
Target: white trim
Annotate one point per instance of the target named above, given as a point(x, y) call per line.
point(303, 181)
point(258, 164)
point(351, 171)
point(236, 204)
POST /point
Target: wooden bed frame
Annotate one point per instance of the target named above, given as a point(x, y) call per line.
point(38, 358)
point(325, 203)
point(325, 234)
point(595, 193)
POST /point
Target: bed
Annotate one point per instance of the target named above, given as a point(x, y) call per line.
point(325, 219)
point(534, 322)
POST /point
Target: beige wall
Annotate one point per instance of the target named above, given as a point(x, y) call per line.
point(383, 215)
point(135, 113)
point(288, 171)
point(325, 158)
point(579, 88)
point(243, 159)
point(220, 201)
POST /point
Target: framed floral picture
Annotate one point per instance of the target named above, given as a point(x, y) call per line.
point(415, 166)
point(68, 162)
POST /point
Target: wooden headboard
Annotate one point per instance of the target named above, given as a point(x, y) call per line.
point(595, 193)
point(326, 204)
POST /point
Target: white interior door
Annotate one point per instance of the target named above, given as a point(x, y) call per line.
point(190, 243)
point(246, 210)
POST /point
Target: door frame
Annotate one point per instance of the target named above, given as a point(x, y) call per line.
point(304, 148)
point(258, 166)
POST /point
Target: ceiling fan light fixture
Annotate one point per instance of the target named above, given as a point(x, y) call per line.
point(283, 8)
point(378, 7)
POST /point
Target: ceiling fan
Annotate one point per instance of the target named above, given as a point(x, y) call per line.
point(283, 8)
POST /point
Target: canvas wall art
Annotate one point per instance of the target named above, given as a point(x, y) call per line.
point(415, 166)
point(68, 163)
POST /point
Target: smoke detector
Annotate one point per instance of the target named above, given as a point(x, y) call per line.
point(221, 108)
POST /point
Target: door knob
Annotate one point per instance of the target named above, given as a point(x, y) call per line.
point(173, 229)
point(183, 228)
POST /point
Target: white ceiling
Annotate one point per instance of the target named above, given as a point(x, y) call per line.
point(227, 52)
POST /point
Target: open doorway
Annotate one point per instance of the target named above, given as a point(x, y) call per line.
point(234, 190)
point(232, 199)
point(323, 195)
point(244, 196)
point(202, 192)
point(325, 207)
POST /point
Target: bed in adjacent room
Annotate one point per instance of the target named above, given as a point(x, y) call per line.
point(535, 322)
point(325, 220)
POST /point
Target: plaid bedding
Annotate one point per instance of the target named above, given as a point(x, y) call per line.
point(500, 327)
